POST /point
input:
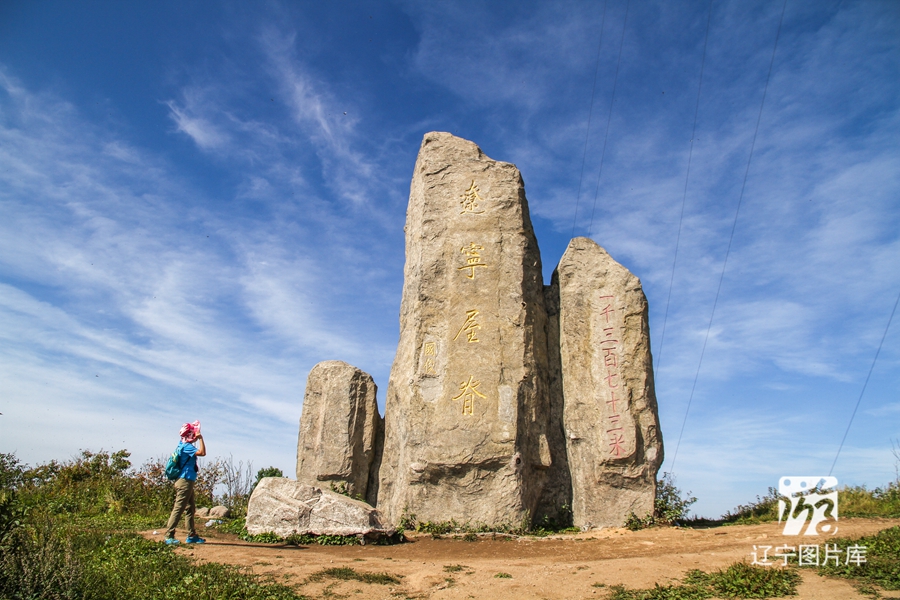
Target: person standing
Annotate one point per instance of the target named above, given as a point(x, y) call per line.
point(191, 446)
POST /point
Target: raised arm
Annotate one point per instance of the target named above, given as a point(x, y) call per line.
point(201, 446)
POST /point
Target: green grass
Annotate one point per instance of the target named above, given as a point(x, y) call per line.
point(739, 580)
point(67, 531)
point(882, 566)
point(502, 575)
point(53, 561)
point(852, 502)
point(349, 574)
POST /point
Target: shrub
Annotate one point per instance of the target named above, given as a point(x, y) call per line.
point(267, 472)
point(669, 507)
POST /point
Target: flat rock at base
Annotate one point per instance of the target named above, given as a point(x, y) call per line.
point(614, 445)
point(466, 412)
point(219, 512)
point(340, 430)
point(285, 507)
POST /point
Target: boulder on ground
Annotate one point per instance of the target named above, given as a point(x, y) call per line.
point(610, 416)
point(340, 430)
point(219, 512)
point(201, 512)
point(286, 507)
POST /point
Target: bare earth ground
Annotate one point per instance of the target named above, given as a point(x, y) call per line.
point(561, 567)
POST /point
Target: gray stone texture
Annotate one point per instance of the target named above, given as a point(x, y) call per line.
point(340, 430)
point(610, 416)
point(219, 512)
point(285, 507)
point(467, 415)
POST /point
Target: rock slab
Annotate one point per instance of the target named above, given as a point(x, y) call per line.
point(285, 507)
point(466, 409)
point(614, 445)
point(340, 430)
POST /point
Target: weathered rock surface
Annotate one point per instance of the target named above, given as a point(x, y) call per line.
point(219, 512)
point(556, 501)
point(467, 409)
point(613, 440)
point(339, 430)
point(284, 507)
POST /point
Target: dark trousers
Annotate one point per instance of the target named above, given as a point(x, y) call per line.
point(184, 503)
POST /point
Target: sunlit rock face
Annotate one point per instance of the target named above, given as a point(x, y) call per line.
point(340, 431)
point(286, 507)
point(509, 402)
point(614, 445)
point(467, 408)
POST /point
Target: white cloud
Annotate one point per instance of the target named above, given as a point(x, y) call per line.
point(124, 302)
point(199, 129)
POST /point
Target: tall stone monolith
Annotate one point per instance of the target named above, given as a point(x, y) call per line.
point(340, 430)
point(614, 445)
point(466, 410)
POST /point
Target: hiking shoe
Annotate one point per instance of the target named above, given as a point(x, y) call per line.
point(194, 539)
point(171, 541)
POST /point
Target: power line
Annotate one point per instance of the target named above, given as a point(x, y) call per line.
point(731, 237)
point(865, 384)
point(587, 134)
point(684, 195)
point(609, 118)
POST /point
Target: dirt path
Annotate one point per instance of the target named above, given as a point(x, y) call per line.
point(562, 567)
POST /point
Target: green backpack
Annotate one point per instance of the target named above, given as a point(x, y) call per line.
point(173, 465)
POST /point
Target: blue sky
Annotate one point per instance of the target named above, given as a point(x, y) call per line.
point(198, 202)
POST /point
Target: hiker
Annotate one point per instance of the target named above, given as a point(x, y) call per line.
point(189, 449)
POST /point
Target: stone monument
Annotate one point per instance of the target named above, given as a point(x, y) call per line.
point(340, 431)
point(467, 406)
point(509, 402)
point(610, 417)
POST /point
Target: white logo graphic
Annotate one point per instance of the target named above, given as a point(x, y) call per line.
point(813, 499)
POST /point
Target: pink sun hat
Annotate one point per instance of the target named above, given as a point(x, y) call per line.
point(189, 432)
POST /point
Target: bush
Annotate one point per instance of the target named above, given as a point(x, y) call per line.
point(267, 472)
point(669, 507)
point(95, 485)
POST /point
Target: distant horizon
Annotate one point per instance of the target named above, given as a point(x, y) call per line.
point(203, 201)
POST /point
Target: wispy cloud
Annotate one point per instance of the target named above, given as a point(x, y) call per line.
point(121, 287)
point(206, 135)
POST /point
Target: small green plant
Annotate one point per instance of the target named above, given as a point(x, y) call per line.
point(740, 580)
point(343, 488)
point(455, 568)
point(349, 574)
point(669, 507)
point(502, 575)
point(636, 523)
point(407, 520)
